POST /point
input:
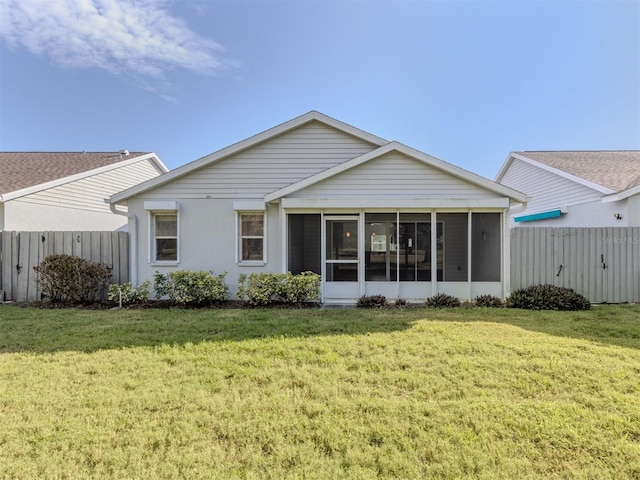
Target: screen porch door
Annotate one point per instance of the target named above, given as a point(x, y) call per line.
point(342, 258)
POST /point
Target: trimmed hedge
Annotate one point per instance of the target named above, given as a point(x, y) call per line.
point(186, 287)
point(260, 289)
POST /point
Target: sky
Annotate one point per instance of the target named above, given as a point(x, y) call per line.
point(465, 81)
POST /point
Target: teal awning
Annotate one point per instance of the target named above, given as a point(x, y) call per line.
point(539, 216)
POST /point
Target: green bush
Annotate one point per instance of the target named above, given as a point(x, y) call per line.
point(371, 301)
point(139, 294)
point(186, 287)
point(442, 300)
point(488, 301)
point(547, 297)
point(65, 278)
point(260, 289)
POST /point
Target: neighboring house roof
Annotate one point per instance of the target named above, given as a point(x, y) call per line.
point(28, 172)
point(379, 147)
point(614, 171)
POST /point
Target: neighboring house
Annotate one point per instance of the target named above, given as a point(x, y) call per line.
point(42, 191)
point(315, 194)
point(575, 188)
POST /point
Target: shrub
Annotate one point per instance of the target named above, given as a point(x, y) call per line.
point(139, 294)
point(488, 301)
point(371, 301)
point(186, 287)
point(442, 300)
point(260, 289)
point(65, 278)
point(547, 297)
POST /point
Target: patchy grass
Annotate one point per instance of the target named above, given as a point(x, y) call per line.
point(416, 393)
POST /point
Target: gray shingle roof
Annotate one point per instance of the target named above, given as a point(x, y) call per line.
point(616, 169)
point(20, 170)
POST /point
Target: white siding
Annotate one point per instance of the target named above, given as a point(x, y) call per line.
point(89, 193)
point(394, 175)
point(77, 205)
point(546, 190)
point(269, 166)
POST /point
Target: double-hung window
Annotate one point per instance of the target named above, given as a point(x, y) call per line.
point(165, 236)
point(164, 231)
point(251, 237)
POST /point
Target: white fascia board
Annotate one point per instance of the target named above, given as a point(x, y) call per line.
point(563, 174)
point(411, 152)
point(616, 197)
point(79, 176)
point(395, 203)
point(504, 168)
point(243, 145)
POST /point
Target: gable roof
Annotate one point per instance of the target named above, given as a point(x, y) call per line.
point(606, 171)
point(246, 144)
point(28, 172)
point(411, 152)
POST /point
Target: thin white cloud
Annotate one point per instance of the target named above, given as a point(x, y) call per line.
point(133, 38)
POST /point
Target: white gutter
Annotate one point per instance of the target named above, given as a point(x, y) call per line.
point(133, 242)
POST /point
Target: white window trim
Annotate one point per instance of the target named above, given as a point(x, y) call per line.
point(250, 263)
point(152, 238)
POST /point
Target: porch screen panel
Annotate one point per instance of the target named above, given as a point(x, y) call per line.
point(342, 251)
point(486, 240)
point(305, 243)
point(455, 245)
point(380, 247)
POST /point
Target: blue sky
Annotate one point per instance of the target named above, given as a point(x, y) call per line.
point(464, 81)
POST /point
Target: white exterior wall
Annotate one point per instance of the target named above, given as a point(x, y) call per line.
point(207, 240)
point(593, 214)
point(28, 217)
point(77, 205)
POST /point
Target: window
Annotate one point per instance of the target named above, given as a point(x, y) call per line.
point(165, 236)
point(251, 237)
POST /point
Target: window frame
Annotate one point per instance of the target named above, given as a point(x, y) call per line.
point(153, 245)
point(240, 237)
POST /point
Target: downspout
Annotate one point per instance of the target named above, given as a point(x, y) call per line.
point(133, 242)
point(508, 214)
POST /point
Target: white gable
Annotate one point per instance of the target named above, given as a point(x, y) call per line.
point(393, 175)
point(545, 189)
point(268, 166)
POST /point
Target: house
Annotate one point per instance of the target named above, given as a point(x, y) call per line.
point(575, 188)
point(43, 191)
point(315, 194)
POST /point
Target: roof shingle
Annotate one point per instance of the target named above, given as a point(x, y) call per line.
point(19, 170)
point(618, 170)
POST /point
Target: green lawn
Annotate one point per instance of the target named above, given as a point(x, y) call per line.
point(463, 393)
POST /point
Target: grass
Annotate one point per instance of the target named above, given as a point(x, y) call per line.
point(456, 393)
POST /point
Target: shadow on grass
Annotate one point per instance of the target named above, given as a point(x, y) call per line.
point(50, 330)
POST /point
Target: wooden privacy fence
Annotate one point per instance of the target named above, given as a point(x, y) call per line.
point(603, 264)
point(21, 251)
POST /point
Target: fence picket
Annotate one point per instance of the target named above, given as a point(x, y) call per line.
point(28, 249)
